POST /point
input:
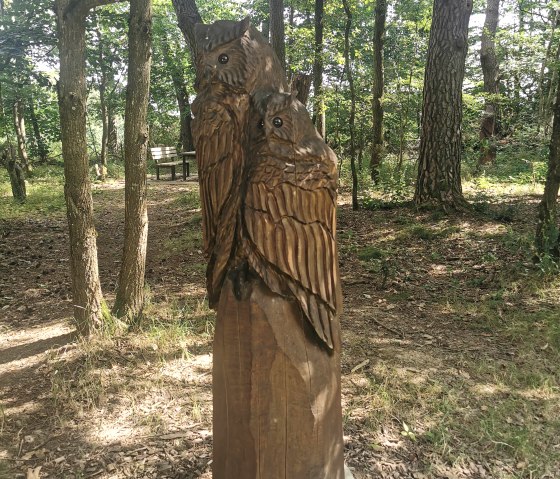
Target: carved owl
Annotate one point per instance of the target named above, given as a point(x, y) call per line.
point(289, 212)
point(233, 60)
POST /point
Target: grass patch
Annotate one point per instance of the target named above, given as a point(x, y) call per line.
point(45, 194)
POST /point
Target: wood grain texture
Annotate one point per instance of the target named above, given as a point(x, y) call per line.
point(276, 392)
point(290, 212)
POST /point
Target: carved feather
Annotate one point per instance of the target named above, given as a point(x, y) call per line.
point(290, 213)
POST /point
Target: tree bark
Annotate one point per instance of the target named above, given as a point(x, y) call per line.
point(439, 164)
point(277, 37)
point(546, 237)
point(187, 17)
point(130, 290)
point(350, 78)
point(377, 106)
point(19, 125)
point(86, 288)
point(490, 70)
point(541, 92)
point(319, 101)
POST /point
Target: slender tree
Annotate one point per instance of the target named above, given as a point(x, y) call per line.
point(439, 164)
point(351, 120)
point(318, 66)
point(130, 290)
point(490, 70)
point(87, 297)
point(277, 36)
point(19, 126)
point(547, 237)
point(378, 83)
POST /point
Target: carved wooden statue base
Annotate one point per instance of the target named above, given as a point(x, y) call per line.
point(276, 392)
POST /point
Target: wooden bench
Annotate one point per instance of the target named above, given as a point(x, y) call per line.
point(167, 157)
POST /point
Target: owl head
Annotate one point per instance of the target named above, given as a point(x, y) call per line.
point(236, 54)
point(286, 127)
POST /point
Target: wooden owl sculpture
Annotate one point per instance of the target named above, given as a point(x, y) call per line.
point(289, 215)
point(233, 61)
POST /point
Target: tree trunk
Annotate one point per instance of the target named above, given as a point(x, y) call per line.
point(104, 113)
point(180, 86)
point(87, 297)
point(277, 37)
point(350, 78)
point(301, 82)
point(130, 290)
point(377, 107)
point(42, 149)
point(439, 164)
point(541, 93)
point(546, 237)
point(112, 137)
point(187, 17)
point(490, 70)
point(19, 125)
point(319, 101)
point(9, 157)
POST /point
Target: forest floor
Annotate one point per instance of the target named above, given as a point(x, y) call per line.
point(451, 337)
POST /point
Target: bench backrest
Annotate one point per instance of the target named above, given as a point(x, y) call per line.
point(163, 153)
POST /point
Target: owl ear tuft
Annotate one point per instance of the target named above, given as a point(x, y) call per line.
point(244, 25)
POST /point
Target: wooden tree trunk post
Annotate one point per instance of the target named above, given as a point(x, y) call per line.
point(439, 165)
point(19, 124)
point(268, 187)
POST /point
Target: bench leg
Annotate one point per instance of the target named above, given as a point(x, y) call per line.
point(185, 169)
point(157, 172)
point(188, 172)
point(173, 172)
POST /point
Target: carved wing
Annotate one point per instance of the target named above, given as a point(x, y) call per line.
point(290, 222)
point(218, 131)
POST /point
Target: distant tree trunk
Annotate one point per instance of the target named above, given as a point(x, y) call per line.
point(180, 86)
point(42, 149)
point(490, 69)
point(277, 37)
point(103, 105)
point(9, 157)
point(112, 137)
point(301, 82)
point(19, 125)
point(546, 237)
point(439, 164)
point(319, 101)
point(350, 78)
point(130, 290)
point(378, 81)
point(543, 112)
point(187, 17)
point(87, 297)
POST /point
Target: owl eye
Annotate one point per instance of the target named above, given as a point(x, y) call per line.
point(277, 122)
point(261, 124)
point(223, 59)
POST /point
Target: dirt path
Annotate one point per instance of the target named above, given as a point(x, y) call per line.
point(449, 368)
